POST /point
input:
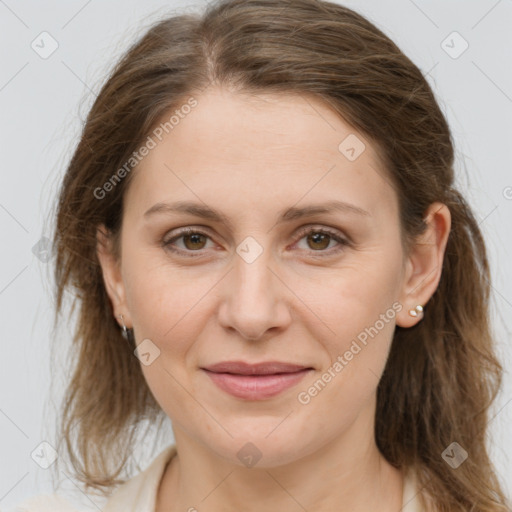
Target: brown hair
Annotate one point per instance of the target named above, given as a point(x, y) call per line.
point(441, 375)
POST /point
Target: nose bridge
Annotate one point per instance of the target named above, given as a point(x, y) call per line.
point(253, 302)
point(253, 277)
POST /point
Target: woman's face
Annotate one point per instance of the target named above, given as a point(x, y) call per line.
point(252, 285)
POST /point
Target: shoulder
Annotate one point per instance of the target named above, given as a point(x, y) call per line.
point(140, 492)
point(411, 494)
point(137, 493)
point(45, 503)
point(415, 498)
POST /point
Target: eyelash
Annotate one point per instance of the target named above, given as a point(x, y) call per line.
point(302, 233)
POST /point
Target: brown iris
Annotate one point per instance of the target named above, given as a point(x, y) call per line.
point(319, 238)
point(195, 239)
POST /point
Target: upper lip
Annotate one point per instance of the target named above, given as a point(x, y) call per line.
point(264, 368)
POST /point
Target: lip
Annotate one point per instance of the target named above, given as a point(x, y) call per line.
point(264, 368)
point(255, 381)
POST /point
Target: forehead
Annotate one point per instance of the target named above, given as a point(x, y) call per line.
point(264, 149)
point(271, 124)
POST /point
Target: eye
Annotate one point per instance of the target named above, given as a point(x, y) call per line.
point(318, 239)
point(193, 240)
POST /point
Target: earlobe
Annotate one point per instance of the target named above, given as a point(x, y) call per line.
point(112, 278)
point(424, 265)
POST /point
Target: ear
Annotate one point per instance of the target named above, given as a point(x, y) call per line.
point(424, 264)
point(112, 278)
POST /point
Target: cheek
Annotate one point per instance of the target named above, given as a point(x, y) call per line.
point(168, 310)
point(347, 384)
point(354, 298)
point(359, 306)
point(161, 296)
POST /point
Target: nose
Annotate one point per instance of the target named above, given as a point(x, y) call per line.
point(254, 299)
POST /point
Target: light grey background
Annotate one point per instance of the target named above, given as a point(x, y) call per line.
point(44, 101)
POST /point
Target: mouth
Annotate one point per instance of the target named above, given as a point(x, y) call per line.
point(255, 381)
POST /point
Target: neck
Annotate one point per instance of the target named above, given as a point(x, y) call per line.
point(346, 474)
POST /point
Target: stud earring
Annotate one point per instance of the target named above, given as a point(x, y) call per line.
point(416, 311)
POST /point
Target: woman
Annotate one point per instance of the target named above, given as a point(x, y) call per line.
point(262, 202)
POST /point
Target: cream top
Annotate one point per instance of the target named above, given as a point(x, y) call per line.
point(139, 493)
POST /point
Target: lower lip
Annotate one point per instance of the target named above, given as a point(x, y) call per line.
point(256, 387)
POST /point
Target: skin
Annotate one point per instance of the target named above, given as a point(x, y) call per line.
point(251, 156)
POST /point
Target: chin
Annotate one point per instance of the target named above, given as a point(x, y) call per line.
point(261, 450)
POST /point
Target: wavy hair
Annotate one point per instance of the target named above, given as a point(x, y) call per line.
point(442, 375)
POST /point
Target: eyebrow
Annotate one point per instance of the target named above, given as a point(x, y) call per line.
point(287, 215)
